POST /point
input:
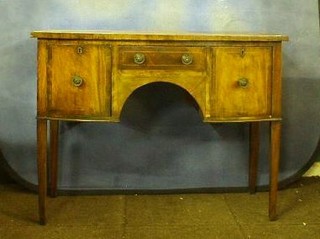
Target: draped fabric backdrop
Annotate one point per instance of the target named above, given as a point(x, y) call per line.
point(161, 142)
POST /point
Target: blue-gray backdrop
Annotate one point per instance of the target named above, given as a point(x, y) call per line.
point(161, 142)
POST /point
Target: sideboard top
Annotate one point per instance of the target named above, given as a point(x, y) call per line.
point(154, 36)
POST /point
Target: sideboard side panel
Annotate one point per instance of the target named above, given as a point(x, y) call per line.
point(42, 78)
point(277, 81)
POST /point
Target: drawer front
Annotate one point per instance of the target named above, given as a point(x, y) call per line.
point(79, 80)
point(242, 83)
point(165, 58)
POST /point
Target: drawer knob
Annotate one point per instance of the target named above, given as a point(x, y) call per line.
point(77, 81)
point(139, 58)
point(243, 82)
point(186, 59)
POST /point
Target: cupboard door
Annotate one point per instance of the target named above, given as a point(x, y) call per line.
point(242, 82)
point(79, 81)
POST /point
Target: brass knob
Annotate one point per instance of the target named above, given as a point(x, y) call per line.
point(186, 59)
point(139, 58)
point(243, 82)
point(77, 81)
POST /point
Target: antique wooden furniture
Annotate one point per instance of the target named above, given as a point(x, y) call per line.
point(88, 75)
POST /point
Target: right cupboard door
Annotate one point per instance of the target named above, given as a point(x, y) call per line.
point(241, 86)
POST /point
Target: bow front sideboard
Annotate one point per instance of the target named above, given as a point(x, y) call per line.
point(89, 75)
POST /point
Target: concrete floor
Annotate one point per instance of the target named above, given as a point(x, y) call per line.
point(230, 215)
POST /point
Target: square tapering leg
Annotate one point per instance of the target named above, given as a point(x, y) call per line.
point(275, 135)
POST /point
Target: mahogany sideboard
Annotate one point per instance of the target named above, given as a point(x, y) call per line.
point(88, 76)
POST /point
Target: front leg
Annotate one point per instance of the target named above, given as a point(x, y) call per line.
point(275, 137)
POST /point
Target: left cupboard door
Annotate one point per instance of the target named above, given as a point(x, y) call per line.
point(79, 80)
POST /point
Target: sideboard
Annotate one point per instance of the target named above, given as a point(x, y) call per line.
point(89, 75)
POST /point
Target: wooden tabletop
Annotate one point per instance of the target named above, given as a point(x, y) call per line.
point(155, 36)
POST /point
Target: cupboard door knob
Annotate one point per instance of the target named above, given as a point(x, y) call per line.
point(139, 58)
point(243, 82)
point(186, 59)
point(77, 81)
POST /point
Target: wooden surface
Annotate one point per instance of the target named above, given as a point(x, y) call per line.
point(90, 75)
point(182, 36)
